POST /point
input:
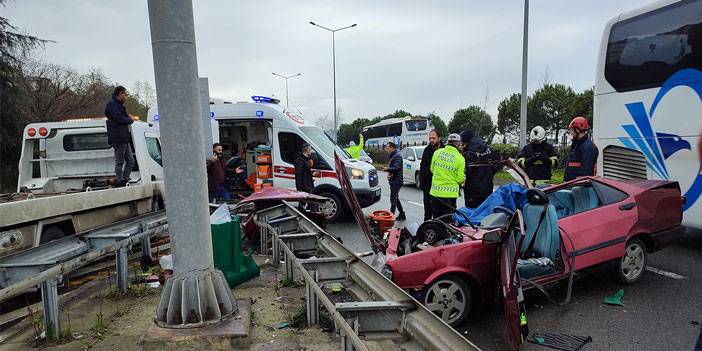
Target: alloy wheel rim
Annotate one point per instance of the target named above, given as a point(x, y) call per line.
point(329, 209)
point(446, 299)
point(633, 262)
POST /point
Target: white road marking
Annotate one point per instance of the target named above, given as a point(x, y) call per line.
point(665, 273)
point(416, 203)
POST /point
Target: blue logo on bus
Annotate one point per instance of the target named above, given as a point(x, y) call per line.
point(658, 146)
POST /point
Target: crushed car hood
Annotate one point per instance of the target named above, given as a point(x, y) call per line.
point(282, 194)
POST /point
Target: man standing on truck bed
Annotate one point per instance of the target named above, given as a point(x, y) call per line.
point(118, 134)
point(303, 170)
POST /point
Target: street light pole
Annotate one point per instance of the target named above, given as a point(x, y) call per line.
point(197, 294)
point(287, 100)
point(333, 31)
point(525, 50)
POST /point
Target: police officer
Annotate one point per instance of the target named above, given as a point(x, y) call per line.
point(425, 175)
point(582, 160)
point(448, 176)
point(538, 157)
point(355, 150)
point(479, 179)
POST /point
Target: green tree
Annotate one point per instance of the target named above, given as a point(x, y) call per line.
point(439, 124)
point(582, 104)
point(508, 113)
point(474, 118)
point(551, 108)
point(13, 48)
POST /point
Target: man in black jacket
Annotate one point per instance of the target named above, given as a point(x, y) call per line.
point(478, 178)
point(395, 179)
point(303, 171)
point(538, 157)
point(425, 174)
point(118, 134)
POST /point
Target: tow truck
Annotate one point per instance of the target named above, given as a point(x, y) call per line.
point(66, 183)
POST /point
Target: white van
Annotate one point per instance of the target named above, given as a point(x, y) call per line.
point(245, 125)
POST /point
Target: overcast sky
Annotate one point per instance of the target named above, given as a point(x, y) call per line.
point(420, 56)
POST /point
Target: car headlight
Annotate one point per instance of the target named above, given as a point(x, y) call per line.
point(356, 173)
point(387, 272)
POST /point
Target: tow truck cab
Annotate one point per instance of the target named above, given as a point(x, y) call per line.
point(243, 126)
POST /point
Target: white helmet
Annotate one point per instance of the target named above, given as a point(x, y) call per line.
point(352, 143)
point(537, 135)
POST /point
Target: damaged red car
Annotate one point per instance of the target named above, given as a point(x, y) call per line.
point(567, 228)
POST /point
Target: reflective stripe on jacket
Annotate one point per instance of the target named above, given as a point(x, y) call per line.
point(448, 172)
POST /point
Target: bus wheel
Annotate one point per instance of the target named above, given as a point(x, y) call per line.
point(332, 209)
point(50, 234)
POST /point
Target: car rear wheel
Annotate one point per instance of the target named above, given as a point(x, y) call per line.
point(631, 267)
point(450, 298)
point(417, 181)
point(332, 209)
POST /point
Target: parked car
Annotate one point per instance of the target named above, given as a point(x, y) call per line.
point(365, 157)
point(567, 228)
point(411, 157)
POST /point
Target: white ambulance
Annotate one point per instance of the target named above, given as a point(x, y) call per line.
point(243, 126)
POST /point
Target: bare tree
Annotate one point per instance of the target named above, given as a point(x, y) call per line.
point(144, 92)
point(53, 92)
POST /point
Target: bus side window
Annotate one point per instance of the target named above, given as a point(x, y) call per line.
point(645, 50)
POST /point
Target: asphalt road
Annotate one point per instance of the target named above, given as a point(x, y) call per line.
point(662, 311)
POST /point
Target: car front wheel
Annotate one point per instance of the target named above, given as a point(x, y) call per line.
point(631, 267)
point(417, 181)
point(450, 298)
point(332, 209)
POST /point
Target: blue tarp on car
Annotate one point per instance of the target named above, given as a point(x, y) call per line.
point(511, 196)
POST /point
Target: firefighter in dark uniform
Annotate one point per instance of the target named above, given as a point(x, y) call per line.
point(538, 157)
point(582, 160)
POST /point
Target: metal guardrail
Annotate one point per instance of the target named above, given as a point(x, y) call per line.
point(45, 265)
point(383, 310)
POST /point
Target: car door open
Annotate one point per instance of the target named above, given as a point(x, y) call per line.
point(515, 310)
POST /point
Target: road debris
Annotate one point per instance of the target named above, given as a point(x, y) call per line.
point(615, 299)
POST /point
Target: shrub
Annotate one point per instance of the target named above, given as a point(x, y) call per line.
point(505, 150)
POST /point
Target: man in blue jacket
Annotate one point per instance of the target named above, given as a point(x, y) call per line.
point(118, 134)
point(394, 170)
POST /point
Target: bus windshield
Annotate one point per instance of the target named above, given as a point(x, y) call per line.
point(324, 142)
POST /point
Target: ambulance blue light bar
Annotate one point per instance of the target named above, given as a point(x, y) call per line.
point(270, 100)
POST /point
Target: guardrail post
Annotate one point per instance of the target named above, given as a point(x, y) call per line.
point(121, 267)
point(263, 240)
point(289, 267)
point(312, 303)
point(346, 344)
point(276, 248)
point(145, 241)
point(50, 303)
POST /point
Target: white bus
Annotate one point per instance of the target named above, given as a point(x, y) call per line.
point(405, 131)
point(648, 98)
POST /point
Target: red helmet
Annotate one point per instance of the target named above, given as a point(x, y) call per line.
point(579, 123)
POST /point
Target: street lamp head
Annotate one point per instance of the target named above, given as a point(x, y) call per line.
point(312, 23)
point(353, 25)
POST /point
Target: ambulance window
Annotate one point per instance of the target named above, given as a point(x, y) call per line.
point(290, 146)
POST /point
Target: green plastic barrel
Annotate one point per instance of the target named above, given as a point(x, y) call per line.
point(228, 254)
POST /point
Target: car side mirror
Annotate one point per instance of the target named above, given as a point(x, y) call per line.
point(492, 237)
point(410, 158)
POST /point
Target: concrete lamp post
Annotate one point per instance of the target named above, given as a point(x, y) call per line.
point(197, 294)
